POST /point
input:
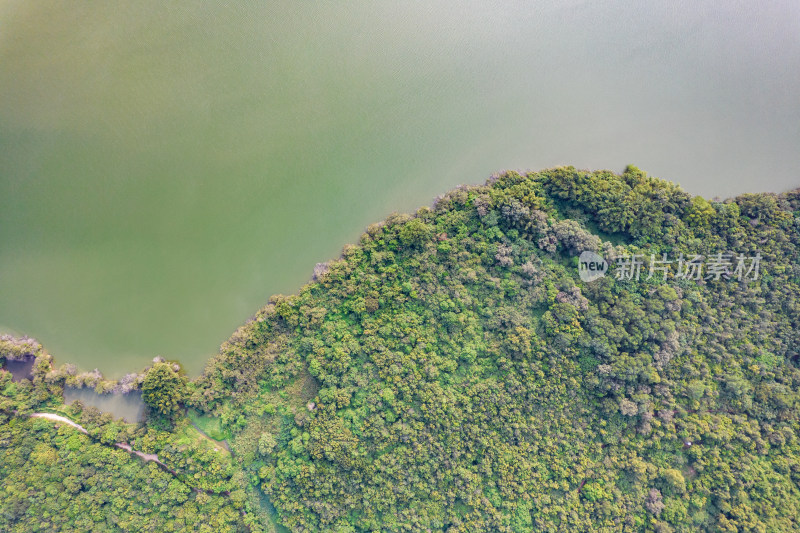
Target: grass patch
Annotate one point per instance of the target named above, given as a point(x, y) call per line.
point(209, 425)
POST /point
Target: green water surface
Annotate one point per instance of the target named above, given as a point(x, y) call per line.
point(166, 167)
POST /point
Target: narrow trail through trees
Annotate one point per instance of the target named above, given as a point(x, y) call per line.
point(124, 446)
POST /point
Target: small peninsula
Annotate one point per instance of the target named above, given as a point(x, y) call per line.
point(456, 371)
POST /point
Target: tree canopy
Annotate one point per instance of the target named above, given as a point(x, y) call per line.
point(164, 389)
point(451, 372)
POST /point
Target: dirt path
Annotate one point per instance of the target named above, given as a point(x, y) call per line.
point(59, 418)
point(127, 447)
point(146, 456)
point(122, 445)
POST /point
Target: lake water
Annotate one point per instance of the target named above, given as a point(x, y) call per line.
point(128, 406)
point(20, 369)
point(164, 169)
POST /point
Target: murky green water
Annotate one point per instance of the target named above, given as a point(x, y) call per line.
point(19, 369)
point(164, 169)
point(128, 406)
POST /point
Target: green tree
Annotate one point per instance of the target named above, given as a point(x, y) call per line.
point(163, 389)
point(700, 212)
point(414, 233)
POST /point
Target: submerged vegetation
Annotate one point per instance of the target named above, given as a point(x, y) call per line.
point(451, 372)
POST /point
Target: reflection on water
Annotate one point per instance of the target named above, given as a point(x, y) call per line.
point(20, 369)
point(128, 406)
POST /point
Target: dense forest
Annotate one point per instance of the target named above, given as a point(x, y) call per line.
point(452, 372)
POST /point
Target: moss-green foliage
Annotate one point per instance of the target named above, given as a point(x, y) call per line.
point(163, 389)
point(209, 425)
point(117, 490)
point(452, 373)
point(61, 480)
point(468, 381)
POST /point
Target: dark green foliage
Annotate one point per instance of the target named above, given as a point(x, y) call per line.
point(452, 372)
point(59, 480)
point(468, 381)
point(163, 389)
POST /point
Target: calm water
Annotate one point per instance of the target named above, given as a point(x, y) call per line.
point(20, 369)
point(164, 170)
point(128, 406)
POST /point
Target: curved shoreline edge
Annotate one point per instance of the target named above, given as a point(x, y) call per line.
point(19, 348)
